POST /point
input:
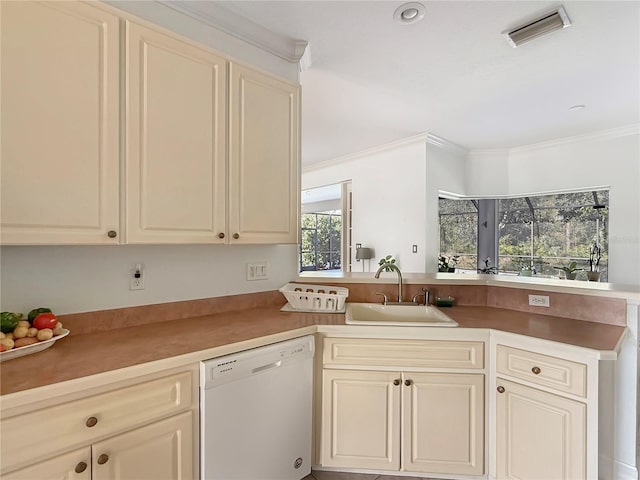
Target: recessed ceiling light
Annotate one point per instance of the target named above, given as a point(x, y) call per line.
point(408, 13)
point(576, 108)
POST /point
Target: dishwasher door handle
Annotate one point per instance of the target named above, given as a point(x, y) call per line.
point(267, 367)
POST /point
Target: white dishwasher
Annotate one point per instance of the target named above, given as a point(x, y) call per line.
point(255, 413)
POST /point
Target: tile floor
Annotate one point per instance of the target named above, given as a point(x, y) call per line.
point(320, 475)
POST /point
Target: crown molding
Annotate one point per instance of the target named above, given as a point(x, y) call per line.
point(422, 137)
point(445, 144)
point(599, 135)
point(240, 27)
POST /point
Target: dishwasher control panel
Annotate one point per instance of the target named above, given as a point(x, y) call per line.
point(255, 361)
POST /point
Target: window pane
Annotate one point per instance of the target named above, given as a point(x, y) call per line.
point(459, 232)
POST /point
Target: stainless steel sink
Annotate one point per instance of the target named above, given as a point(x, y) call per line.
point(404, 315)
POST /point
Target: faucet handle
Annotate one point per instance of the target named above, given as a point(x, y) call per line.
point(425, 294)
point(385, 300)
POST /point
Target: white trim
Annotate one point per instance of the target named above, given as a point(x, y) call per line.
point(429, 138)
point(436, 141)
point(421, 137)
point(608, 134)
point(458, 196)
point(240, 27)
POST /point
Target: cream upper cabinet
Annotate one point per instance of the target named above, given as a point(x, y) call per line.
point(160, 451)
point(211, 147)
point(176, 140)
point(59, 147)
point(539, 435)
point(264, 156)
point(361, 419)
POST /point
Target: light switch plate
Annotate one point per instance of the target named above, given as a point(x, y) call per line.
point(258, 271)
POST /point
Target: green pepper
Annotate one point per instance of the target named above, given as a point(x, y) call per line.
point(35, 312)
point(9, 321)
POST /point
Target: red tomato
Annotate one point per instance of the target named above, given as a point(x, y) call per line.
point(45, 320)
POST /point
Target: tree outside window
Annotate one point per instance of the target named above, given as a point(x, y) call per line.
point(320, 241)
point(535, 233)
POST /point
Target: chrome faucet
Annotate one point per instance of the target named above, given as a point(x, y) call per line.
point(397, 270)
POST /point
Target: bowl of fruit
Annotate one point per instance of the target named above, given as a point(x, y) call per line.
point(20, 336)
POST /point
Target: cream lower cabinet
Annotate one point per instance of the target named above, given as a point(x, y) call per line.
point(75, 465)
point(403, 420)
point(540, 434)
point(59, 123)
point(160, 451)
point(144, 431)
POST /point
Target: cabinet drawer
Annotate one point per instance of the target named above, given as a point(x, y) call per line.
point(557, 373)
point(54, 429)
point(403, 353)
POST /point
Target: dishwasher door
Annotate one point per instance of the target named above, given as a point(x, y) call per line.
point(255, 418)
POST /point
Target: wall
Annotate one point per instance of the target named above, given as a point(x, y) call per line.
point(72, 279)
point(388, 200)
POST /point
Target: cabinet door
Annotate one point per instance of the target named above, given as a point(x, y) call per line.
point(160, 451)
point(360, 419)
point(175, 148)
point(443, 423)
point(74, 465)
point(539, 435)
point(59, 123)
point(264, 156)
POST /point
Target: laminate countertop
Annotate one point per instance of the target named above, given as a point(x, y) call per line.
point(193, 339)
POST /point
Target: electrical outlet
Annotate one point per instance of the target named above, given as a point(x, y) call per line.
point(539, 300)
point(257, 271)
point(136, 281)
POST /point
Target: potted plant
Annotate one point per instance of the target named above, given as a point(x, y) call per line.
point(447, 264)
point(593, 275)
point(526, 271)
point(387, 259)
point(570, 270)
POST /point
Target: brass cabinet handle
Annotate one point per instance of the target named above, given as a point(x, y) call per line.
point(396, 382)
point(102, 459)
point(236, 236)
point(536, 370)
point(408, 383)
point(112, 234)
point(81, 467)
point(221, 235)
point(91, 422)
point(500, 389)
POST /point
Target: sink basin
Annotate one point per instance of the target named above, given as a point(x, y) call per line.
point(405, 315)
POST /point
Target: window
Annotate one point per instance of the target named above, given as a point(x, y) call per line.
point(320, 241)
point(459, 232)
point(551, 231)
point(535, 232)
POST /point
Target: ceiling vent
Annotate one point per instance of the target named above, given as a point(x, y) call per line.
point(548, 23)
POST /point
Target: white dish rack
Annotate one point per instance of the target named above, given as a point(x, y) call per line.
point(315, 298)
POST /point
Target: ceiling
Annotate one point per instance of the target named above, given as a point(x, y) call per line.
point(373, 81)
